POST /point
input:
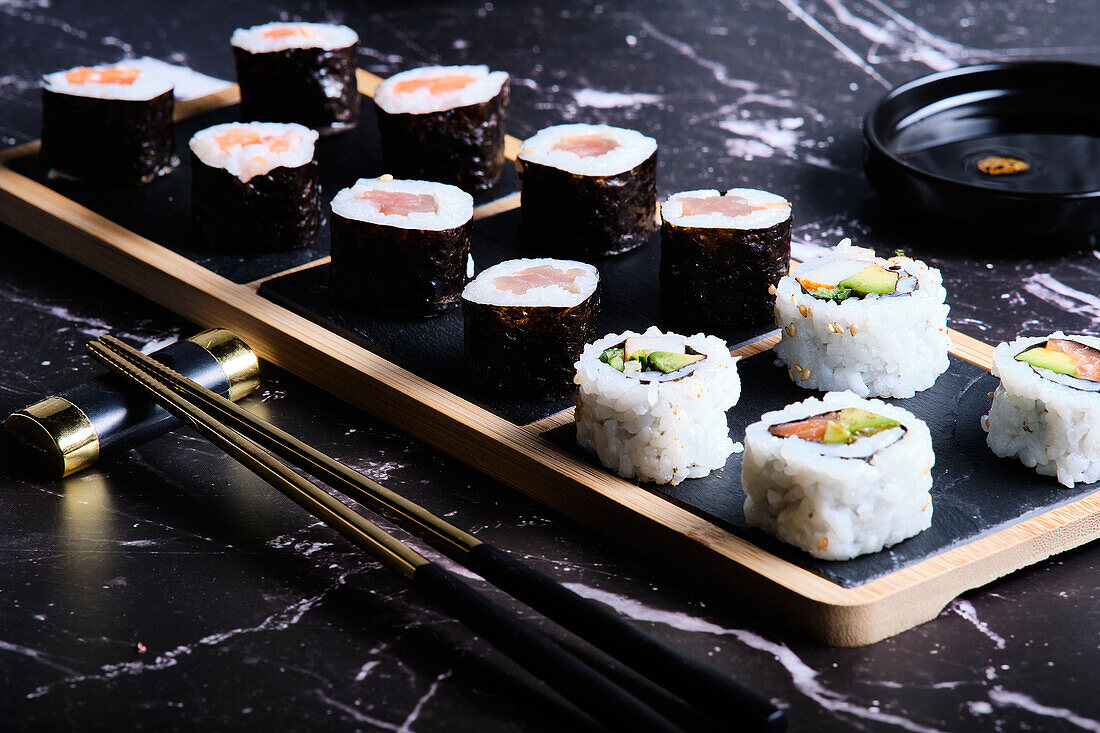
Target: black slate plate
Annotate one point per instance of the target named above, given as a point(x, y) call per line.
point(974, 493)
point(160, 211)
point(923, 140)
point(433, 349)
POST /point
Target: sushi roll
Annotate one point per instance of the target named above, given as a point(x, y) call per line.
point(1046, 411)
point(854, 321)
point(298, 72)
point(400, 247)
point(526, 322)
point(840, 476)
point(108, 124)
point(255, 187)
point(653, 406)
point(444, 123)
point(588, 190)
point(723, 254)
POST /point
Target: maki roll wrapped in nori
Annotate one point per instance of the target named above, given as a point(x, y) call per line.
point(839, 476)
point(401, 247)
point(1046, 410)
point(588, 190)
point(298, 72)
point(255, 187)
point(526, 322)
point(653, 405)
point(854, 321)
point(723, 254)
point(108, 124)
point(444, 123)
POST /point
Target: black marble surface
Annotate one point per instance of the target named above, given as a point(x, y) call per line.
point(168, 589)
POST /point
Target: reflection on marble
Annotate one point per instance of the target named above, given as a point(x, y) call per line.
point(168, 588)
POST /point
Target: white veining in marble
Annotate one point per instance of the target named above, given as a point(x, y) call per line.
point(966, 610)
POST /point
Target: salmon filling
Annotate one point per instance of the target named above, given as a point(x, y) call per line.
point(242, 138)
point(539, 277)
point(291, 31)
point(114, 75)
point(400, 203)
point(587, 146)
point(838, 426)
point(435, 84)
point(1085, 358)
point(725, 205)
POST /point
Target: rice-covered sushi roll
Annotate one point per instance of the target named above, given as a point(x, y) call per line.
point(723, 254)
point(840, 476)
point(526, 322)
point(401, 247)
point(444, 123)
point(854, 321)
point(108, 124)
point(298, 72)
point(255, 187)
point(1046, 411)
point(588, 190)
point(653, 406)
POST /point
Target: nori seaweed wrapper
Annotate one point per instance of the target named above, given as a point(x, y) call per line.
point(115, 141)
point(582, 217)
point(527, 350)
point(310, 86)
point(721, 276)
point(277, 211)
point(407, 272)
point(463, 146)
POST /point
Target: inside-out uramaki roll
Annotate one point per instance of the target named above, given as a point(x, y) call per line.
point(653, 406)
point(298, 72)
point(839, 476)
point(1046, 411)
point(444, 123)
point(854, 321)
point(255, 187)
point(108, 124)
point(526, 322)
point(723, 255)
point(588, 190)
point(399, 246)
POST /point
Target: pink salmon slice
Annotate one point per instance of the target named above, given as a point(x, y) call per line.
point(725, 205)
point(587, 146)
point(540, 276)
point(400, 203)
point(1085, 358)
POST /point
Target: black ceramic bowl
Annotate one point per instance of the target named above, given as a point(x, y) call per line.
point(928, 146)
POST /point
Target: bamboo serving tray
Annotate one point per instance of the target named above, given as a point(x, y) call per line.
point(536, 458)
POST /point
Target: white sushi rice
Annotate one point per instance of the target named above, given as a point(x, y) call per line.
point(661, 431)
point(633, 150)
point(454, 207)
point(247, 161)
point(1049, 426)
point(483, 288)
point(883, 346)
point(145, 87)
point(316, 35)
point(486, 85)
point(672, 210)
point(833, 507)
